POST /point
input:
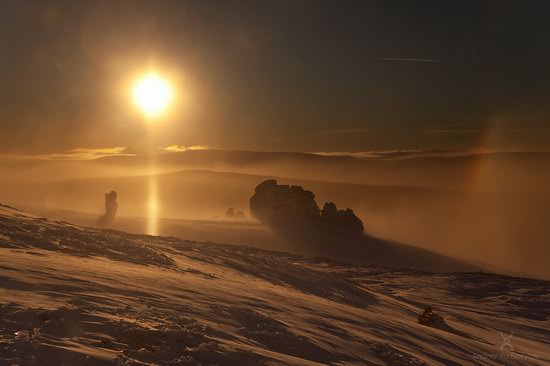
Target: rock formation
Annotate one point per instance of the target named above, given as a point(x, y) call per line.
point(430, 318)
point(271, 199)
point(344, 218)
point(111, 207)
point(274, 202)
point(232, 214)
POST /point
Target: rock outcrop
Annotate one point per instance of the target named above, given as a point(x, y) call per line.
point(344, 218)
point(271, 199)
point(430, 318)
point(276, 202)
point(111, 207)
point(232, 214)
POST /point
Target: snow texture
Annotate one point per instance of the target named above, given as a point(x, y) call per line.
point(80, 296)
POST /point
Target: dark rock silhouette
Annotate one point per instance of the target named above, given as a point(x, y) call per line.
point(274, 202)
point(344, 218)
point(271, 200)
point(232, 214)
point(111, 207)
point(430, 318)
point(292, 214)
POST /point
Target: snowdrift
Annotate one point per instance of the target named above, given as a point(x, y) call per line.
point(76, 296)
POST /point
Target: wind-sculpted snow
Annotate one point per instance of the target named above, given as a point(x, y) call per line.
point(285, 270)
point(79, 296)
point(25, 231)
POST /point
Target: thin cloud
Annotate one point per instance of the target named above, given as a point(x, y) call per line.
point(76, 154)
point(392, 154)
point(181, 148)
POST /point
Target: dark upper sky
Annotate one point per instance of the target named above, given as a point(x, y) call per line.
point(278, 75)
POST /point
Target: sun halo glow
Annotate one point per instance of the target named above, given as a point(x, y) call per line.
point(152, 94)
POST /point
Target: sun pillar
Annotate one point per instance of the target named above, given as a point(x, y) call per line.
point(152, 199)
point(152, 95)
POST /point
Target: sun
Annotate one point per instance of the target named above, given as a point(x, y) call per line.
point(152, 94)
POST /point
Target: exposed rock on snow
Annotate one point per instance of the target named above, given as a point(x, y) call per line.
point(271, 199)
point(111, 207)
point(343, 218)
point(293, 215)
point(232, 214)
point(430, 318)
point(276, 203)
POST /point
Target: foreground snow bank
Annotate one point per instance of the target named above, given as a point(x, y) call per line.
point(78, 296)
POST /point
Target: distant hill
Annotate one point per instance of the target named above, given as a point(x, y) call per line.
point(503, 171)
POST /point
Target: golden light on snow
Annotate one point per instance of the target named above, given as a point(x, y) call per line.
point(152, 94)
point(152, 207)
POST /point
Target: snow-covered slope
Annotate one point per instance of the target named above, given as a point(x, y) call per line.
point(77, 296)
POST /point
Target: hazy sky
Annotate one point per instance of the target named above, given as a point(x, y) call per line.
point(277, 75)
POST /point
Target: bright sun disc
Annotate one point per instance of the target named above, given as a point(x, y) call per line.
point(152, 94)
